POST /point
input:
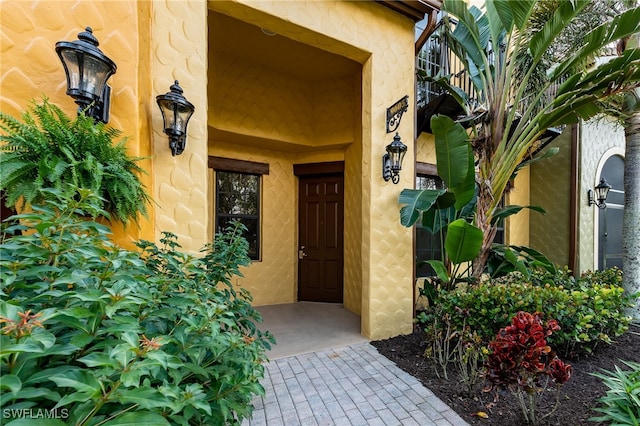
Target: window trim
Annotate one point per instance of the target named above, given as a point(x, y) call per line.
point(230, 165)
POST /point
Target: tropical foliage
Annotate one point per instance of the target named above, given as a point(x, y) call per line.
point(521, 361)
point(621, 404)
point(590, 310)
point(93, 334)
point(505, 119)
point(47, 149)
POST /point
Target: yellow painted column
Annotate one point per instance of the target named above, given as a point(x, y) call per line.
point(179, 52)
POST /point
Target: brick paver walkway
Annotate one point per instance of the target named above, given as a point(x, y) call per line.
point(348, 386)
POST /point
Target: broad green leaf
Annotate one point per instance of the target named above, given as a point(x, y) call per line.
point(440, 269)
point(463, 241)
point(80, 380)
point(466, 189)
point(452, 150)
point(11, 382)
point(138, 418)
point(498, 25)
point(123, 353)
point(97, 359)
point(42, 376)
point(146, 398)
point(28, 393)
point(416, 201)
point(500, 214)
point(562, 16)
point(80, 396)
point(131, 377)
point(131, 338)
point(445, 82)
point(541, 259)
point(20, 347)
point(512, 12)
point(471, 32)
point(517, 263)
point(622, 25)
point(445, 200)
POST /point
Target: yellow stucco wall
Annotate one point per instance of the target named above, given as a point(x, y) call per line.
point(272, 279)
point(179, 52)
point(516, 227)
point(379, 254)
point(426, 149)
point(30, 68)
point(157, 41)
point(551, 190)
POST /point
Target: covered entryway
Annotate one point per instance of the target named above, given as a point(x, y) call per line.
point(320, 232)
point(289, 86)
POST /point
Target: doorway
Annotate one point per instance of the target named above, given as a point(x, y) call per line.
point(610, 218)
point(320, 237)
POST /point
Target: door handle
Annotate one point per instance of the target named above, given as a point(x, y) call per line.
point(301, 253)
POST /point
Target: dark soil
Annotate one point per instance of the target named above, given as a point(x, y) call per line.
point(578, 396)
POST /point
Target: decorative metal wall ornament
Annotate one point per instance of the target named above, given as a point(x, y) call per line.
point(392, 160)
point(87, 70)
point(394, 113)
point(176, 112)
point(602, 191)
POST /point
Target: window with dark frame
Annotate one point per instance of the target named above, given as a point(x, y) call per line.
point(238, 199)
point(428, 244)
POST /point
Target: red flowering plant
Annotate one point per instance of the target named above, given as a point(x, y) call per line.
point(521, 361)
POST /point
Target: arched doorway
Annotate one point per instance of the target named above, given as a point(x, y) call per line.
point(610, 218)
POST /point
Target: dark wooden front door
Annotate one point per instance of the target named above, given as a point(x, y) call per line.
point(320, 251)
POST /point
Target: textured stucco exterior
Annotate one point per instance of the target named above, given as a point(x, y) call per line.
point(598, 141)
point(279, 118)
point(179, 52)
point(551, 190)
point(248, 111)
point(516, 227)
point(30, 68)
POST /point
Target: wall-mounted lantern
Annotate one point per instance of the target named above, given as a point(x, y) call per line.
point(392, 160)
point(176, 112)
point(87, 70)
point(601, 192)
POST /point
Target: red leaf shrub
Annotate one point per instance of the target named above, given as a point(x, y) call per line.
point(520, 360)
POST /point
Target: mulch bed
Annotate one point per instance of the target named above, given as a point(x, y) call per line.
point(578, 396)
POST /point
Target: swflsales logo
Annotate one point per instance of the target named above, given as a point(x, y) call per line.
point(35, 413)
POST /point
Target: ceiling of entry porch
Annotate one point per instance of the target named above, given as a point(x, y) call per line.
point(270, 91)
point(264, 46)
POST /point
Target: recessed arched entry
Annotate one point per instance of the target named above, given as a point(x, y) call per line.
point(609, 223)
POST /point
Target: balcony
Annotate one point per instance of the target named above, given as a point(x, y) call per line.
point(435, 59)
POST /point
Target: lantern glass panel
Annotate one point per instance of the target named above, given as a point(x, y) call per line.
point(95, 75)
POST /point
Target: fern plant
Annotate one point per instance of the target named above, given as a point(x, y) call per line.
point(47, 149)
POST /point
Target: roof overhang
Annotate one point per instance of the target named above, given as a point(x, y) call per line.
point(414, 9)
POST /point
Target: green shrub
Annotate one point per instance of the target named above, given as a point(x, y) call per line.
point(47, 149)
point(108, 336)
point(589, 310)
point(621, 404)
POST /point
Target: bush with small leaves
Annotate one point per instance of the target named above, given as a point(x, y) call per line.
point(589, 310)
point(109, 336)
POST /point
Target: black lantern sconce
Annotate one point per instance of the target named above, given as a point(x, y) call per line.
point(602, 190)
point(392, 160)
point(176, 112)
point(87, 70)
